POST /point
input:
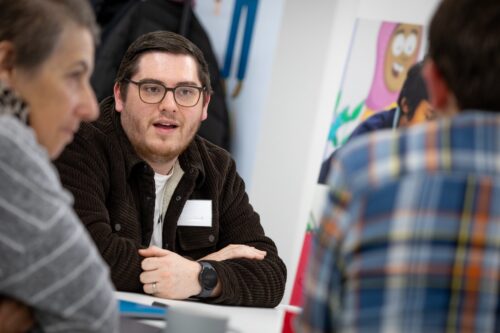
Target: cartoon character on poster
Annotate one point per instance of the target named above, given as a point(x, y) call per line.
point(397, 49)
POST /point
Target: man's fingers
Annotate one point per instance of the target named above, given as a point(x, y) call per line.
point(153, 251)
point(150, 264)
point(254, 250)
point(236, 251)
point(259, 254)
point(148, 277)
point(150, 288)
point(245, 250)
point(251, 253)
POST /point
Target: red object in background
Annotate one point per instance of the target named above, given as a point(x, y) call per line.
point(297, 293)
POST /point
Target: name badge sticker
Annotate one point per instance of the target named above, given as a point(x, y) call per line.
point(196, 213)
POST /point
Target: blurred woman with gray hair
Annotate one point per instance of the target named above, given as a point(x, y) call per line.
point(51, 276)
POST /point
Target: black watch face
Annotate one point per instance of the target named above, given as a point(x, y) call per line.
point(209, 278)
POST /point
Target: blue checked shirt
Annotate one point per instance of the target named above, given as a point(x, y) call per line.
point(410, 239)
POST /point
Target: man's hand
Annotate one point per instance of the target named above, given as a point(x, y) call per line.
point(236, 251)
point(166, 274)
point(14, 317)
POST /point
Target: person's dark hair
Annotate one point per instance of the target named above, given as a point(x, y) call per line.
point(414, 89)
point(34, 26)
point(464, 43)
point(160, 41)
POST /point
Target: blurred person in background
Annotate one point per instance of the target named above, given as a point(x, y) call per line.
point(410, 241)
point(51, 276)
point(413, 108)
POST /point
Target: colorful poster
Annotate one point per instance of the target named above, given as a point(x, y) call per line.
point(380, 55)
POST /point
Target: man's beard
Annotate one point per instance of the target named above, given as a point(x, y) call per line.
point(158, 156)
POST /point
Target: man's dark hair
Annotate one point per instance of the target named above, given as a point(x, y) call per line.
point(160, 41)
point(464, 43)
point(34, 26)
point(414, 89)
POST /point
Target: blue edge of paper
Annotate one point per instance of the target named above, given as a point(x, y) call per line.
point(142, 311)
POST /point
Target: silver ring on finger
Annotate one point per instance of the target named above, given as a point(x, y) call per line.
point(153, 285)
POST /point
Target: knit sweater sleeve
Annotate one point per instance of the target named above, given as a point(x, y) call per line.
point(47, 259)
point(244, 281)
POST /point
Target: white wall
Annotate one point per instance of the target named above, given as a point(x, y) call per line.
point(282, 117)
point(246, 110)
point(311, 53)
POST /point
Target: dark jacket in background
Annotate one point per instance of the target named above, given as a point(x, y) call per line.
point(135, 18)
point(114, 194)
point(380, 120)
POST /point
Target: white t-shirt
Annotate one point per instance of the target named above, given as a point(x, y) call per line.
point(160, 184)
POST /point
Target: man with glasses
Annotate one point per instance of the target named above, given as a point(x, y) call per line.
point(166, 208)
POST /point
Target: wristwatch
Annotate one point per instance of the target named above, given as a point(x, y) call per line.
point(207, 278)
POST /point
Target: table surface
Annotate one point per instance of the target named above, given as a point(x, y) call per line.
point(240, 319)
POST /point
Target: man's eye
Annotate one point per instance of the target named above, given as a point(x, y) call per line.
point(151, 89)
point(185, 91)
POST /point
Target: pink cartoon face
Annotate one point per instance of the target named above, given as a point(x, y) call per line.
point(402, 52)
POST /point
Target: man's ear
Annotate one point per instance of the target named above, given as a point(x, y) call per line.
point(6, 61)
point(119, 102)
point(439, 92)
point(405, 109)
point(206, 101)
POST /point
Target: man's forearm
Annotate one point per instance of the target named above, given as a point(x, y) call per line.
point(123, 260)
point(251, 282)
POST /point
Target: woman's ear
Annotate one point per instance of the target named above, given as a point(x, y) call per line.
point(6, 61)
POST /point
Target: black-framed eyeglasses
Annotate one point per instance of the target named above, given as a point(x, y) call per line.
point(154, 92)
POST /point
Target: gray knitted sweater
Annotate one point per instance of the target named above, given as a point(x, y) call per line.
point(47, 260)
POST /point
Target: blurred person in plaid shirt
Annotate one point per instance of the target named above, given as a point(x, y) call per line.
point(410, 240)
